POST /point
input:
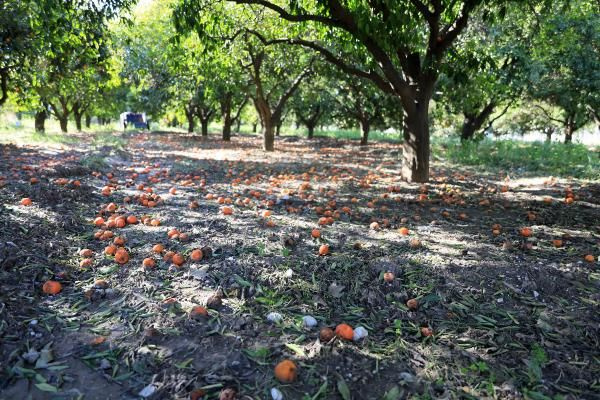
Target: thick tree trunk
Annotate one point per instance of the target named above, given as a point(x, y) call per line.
point(268, 136)
point(569, 129)
point(78, 118)
point(278, 129)
point(365, 128)
point(40, 121)
point(191, 122)
point(88, 121)
point(415, 149)
point(474, 122)
point(63, 121)
point(311, 130)
point(226, 117)
point(204, 123)
point(468, 129)
point(568, 134)
point(227, 129)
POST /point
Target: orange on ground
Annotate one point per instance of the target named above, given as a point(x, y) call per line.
point(286, 371)
point(196, 255)
point(324, 250)
point(52, 287)
point(344, 331)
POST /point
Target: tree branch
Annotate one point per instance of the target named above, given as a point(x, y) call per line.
point(289, 16)
point(547, 114)
point(332, 58)
point(290, 91)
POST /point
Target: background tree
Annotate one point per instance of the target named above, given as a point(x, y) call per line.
point(276, 73)
point(564, 70)
point(313, 102)
point(399, 46)
point(359, 102)
point(485, 71)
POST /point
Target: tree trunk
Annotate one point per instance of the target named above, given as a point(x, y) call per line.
point(468, 128)
point(88, 121)
point(548, 135)
point(254, 127)
point(415, 149)
point(311, 130)
point(365, 127)
point(191, 122)
point(40, 121)
point(569, 129)
point(278, 129)
point(474, 122)
point(239, 125)
point(204, 123)
point(226, 117)
point(63, 121)
point(78, 117)
point(268, 136)
point(227, 129)
point(568, 134)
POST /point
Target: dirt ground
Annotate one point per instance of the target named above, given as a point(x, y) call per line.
point(511, 317)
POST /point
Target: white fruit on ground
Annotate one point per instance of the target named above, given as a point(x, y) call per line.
point(276, 394)
point(309, 321)
point(274, 317)
point(359, 333)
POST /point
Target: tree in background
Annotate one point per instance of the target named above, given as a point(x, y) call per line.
point(485, 70)
point(359, 102)
point(54, 52)
point(313, 102)
point(276, 73)
point(399, 46)
point(564, 70)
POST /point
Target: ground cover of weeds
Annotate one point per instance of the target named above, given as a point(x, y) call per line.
point(511, 317)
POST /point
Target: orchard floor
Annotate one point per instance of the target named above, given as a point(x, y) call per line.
point(511, 317)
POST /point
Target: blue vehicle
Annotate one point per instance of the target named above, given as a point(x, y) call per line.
point(137, 120)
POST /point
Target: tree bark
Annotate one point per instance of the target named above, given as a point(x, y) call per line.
point(3, 86)
point(40, 121)
point(226, 116)
point(204, 123)
point(278, 128)
point(415, 149)
point(191, 122)
point(365, 128)
point(88, 121)
point(311, 131)
point(78, 117)
point(63, 121)
point(254, 127)
point(268, 137)
point(548, 135)
point(569, 129)
point(227, 130)
point(238, 125)
point(473, 122)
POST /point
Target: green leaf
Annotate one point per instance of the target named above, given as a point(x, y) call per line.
point(45, 387)
point(184, 364)
point(342, 387)
point(296, 349)
point(392, 394)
